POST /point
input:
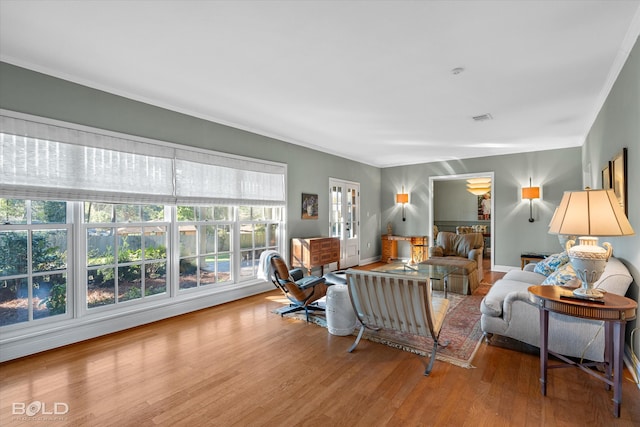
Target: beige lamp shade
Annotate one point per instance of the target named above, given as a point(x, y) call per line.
point(590, 213)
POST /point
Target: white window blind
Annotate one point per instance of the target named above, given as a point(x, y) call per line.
point(202, 177)
point(54, 160)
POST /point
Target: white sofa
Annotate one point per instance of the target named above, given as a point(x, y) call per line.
point(507, 311)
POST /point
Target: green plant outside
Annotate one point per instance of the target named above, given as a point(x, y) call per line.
point(56, 302)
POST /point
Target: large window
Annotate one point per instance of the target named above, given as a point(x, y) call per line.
point(34, 247)
point(141, 221)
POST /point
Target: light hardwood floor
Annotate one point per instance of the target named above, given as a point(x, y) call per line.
point(238, 364)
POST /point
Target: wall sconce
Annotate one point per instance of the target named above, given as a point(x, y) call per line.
point(530, 193)
point(479, 186)
point(402, 198)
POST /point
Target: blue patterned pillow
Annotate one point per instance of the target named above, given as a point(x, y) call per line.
point(561, 276)
point(551, 263)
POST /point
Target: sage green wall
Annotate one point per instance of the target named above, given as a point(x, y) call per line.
point(618, 126)
point(452, 202)
point(555, 171)
point(309, 171)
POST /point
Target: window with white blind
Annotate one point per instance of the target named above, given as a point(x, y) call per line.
point(153, 220)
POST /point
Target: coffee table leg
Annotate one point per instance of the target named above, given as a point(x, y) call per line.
point(445, 285)
point(544, 355)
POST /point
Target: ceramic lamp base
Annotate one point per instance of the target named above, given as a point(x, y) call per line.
point(588, 261)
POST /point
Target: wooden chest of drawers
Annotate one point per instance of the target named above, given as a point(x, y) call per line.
point(315, 252)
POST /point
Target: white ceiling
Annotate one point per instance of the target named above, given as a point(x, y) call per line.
point(366, 80)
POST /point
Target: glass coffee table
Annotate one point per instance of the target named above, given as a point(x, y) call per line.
point(425, 271)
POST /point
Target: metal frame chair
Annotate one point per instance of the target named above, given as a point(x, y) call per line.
point(399, 303)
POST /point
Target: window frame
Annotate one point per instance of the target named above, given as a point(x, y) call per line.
point(77, 262)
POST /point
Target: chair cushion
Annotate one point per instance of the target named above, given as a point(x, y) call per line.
point(309, 281)
point(296, 274)
point(459, 244)
point(468, 266)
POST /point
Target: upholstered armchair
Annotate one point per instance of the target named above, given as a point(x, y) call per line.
point(463, 251)
point(302, 292)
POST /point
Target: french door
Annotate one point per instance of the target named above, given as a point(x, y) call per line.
point(344, 219)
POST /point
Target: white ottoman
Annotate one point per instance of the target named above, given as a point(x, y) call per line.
point(341, 319)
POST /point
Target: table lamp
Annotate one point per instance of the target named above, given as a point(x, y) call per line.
point(589, 214)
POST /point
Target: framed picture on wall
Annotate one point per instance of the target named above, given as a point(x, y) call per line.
point(309, 206)
point(484, 207)
point(619, 179)
point(606, 176)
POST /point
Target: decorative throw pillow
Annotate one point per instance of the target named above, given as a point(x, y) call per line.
point(561, 276)
point(551, 263)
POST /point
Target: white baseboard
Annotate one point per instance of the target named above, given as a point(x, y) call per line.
point(371, 260)
point(504, 268)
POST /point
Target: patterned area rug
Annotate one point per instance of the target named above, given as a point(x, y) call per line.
point(461, 329)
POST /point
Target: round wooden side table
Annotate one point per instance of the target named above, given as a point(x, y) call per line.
point(614, 310)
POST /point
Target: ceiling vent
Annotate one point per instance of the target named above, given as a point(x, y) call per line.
point(483, 117)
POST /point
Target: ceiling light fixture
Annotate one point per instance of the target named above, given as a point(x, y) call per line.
point(479, 186)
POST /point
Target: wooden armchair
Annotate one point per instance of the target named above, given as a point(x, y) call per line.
point(396, 302)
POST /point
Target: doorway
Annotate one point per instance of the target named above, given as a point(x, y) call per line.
point(344, 219)
point(490, 240)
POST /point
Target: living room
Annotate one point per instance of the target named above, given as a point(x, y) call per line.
point(35, 92)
